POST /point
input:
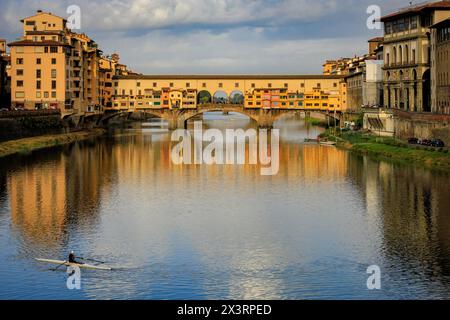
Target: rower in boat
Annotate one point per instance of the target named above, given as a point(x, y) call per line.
point(72, 258)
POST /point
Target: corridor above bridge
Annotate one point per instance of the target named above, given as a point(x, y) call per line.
point(317, 92)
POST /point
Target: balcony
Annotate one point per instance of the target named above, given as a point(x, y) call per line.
point(406, 64)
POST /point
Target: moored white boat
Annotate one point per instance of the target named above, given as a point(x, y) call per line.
point(328, 143)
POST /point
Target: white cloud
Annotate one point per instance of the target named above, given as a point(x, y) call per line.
point(205, 52)
point(215, 36)
point(138, 14)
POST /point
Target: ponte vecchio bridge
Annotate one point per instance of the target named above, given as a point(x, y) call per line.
point(263, 98)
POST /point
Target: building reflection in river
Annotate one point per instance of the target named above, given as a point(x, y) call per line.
point(120, 194)
point(411, 207)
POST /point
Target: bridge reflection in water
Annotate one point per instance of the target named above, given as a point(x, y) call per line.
point(226, 231)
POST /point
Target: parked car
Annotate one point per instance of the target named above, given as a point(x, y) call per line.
point(426, 142)
point(413, 141)
point(438, 143)
point(4, 110)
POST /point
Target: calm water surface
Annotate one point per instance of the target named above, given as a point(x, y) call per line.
point(222, 232)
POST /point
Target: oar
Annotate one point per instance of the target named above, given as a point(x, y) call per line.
point(91, 260)
point(59, 266)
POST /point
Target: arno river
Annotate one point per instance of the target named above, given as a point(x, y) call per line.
point(222, 232)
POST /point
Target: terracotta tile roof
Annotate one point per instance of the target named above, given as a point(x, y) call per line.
point(377, 39)
point(419, 8)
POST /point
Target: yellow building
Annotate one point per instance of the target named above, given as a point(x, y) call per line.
point(55, 68)
point(258, 91)
point(440, 67)
point(109, 66)
point(325, 100)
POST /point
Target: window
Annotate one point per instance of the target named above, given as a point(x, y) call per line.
point(53, 73)
point(30, 23)
point(39, 49)
point(302, 85)
point(19, 72)
point(38, 95)
point(138, 84)
point(253, 85)
point(19, 61)
point(46, 94)
point(388, 28)
point(38, 61)
point(38, 85)
point(171, 85)
point(53, 60)
point(188, 85)
point(269, 85)
point(53, 49)
point(20, 94)
point(53, 94)
point(38, 73)
point(236, 85)
point(46, 49)
point(286, 85)
point(19, 83)
point(53, 85)
point(220, 85)
point(413, 23)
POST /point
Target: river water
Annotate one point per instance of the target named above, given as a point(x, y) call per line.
point(221, 232)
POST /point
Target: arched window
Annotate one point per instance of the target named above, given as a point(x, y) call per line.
point(407, 54)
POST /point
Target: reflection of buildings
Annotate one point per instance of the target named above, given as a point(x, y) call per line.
point(411, 207)
point(38, 197)
point(324, 162)
point(54, 192)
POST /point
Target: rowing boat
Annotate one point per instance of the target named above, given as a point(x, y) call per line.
point(79, 265)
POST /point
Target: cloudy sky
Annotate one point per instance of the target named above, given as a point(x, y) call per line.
point(216, 36)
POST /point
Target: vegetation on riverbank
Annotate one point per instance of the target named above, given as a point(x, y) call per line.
point(316, 122)
point(386, 148)
point(28, 145)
